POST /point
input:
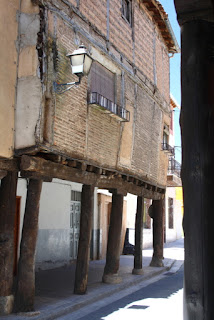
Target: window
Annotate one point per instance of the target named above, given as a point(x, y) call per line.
point(127, 10)
point(166, 134)
point(170, 213)
point(102, 81)
point(102, 92)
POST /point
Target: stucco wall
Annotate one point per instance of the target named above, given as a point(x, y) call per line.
point(53, 243)
point(29, 87)
point(8, 70)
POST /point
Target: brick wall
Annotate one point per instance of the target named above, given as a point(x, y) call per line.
point(83, 132)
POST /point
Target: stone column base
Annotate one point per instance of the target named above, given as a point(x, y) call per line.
point(111, 278)
point(6, 304)
point(137, 271)
point(156, 262)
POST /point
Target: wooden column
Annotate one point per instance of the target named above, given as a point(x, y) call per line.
point(158, 233)
point(138, 259)
point(25, 291)
point(7, 220)
point(114, 238)
point(197, 125)
point(87, 206)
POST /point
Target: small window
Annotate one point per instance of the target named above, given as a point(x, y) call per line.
point(165, 133)
point(127, 10)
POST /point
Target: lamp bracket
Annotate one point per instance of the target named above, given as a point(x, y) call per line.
point(63, 87)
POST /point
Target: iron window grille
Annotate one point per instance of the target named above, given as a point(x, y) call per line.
point(109, 106)
point(174, 167)
point(167, 148)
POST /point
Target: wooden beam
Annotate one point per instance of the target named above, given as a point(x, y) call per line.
point(45, 168)
point(158, 233)
point(35, 175)
point(56, 170)
point(81, 275)
point(3, 173)
point(114, 238)
point(24, 299)
point(138, 257)
point(7, 220)
point(9, 165)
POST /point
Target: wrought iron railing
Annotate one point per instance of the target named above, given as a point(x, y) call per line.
point(174, 167)
point(109, 106)
point(166, 147)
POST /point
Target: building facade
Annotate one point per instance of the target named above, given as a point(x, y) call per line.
point(106, 132)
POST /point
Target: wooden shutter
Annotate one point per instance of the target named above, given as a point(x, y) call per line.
point(102, 81)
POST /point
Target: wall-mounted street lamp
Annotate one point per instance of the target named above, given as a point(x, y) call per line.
point(80, 64)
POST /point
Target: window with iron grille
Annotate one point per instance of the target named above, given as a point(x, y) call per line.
point(170, 213)
point(127, 10)
point(102, 92)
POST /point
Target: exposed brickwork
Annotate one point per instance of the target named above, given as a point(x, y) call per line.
point(95, 11)
point(84, 132)
point(103, 138)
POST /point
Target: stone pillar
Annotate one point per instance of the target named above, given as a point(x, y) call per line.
point(158, 232)
point(87, 205)
point(114, 238)
point(138, 266)
point(25, 291)
point(7, 220)
point(197, 126)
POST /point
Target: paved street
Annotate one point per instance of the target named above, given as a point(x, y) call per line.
point(154, 292)
point(162, 295)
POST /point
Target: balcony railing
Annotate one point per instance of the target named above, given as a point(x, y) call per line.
point(109, 106)
point(174, 167)
point(167, 148)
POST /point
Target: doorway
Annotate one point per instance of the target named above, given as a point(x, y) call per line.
point(75, 211)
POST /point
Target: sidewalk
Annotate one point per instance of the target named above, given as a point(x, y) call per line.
point(54, 288)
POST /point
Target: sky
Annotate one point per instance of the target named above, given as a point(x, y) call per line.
point(175, 86)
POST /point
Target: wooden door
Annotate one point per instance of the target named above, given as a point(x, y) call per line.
point(74, 228)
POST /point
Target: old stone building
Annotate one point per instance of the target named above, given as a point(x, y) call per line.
point(110, 130)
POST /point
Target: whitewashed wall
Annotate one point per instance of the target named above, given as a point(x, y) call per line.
point(53, 243)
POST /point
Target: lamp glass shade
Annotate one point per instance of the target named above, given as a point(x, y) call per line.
point(80, 61)
point(87, 64)
point(77, 63)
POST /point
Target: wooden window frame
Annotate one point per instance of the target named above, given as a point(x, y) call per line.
point(127, 11)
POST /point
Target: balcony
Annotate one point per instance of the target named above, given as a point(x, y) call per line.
point(98, 101)
point(168, 149)
point(174, 173)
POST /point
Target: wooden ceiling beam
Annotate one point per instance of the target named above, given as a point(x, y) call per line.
point(34, 167)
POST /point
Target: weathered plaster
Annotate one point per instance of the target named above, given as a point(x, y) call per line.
point(29, 27)
point(27, 6)
point(27, 111)
point(28, 62)
point(8, 36)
